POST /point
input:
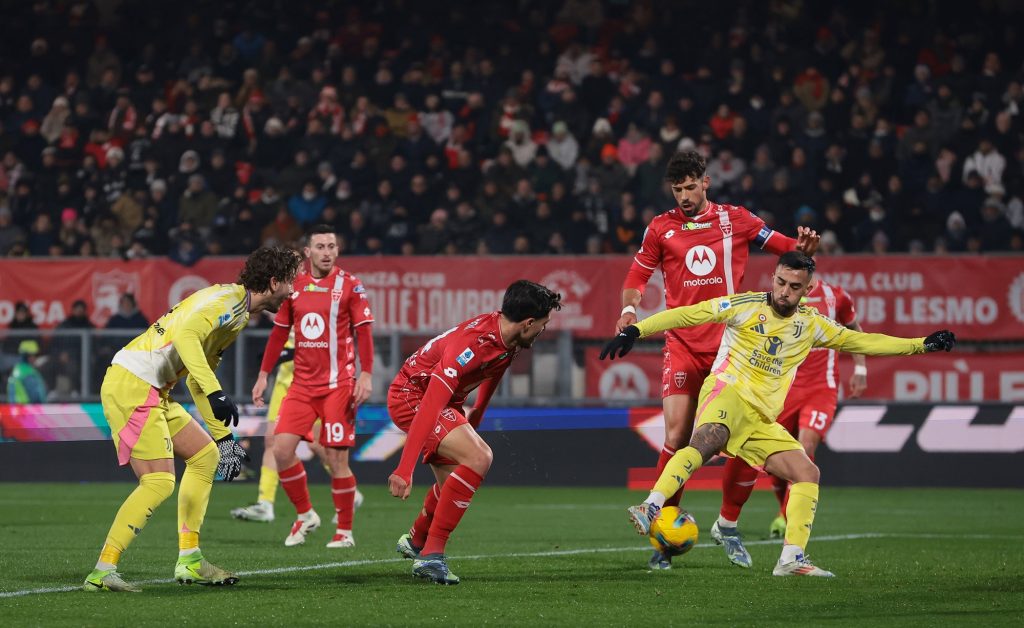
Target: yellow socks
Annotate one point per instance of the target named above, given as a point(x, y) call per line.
point(131, 518)
point(680, 467)
point(803, 501)
point(194, 495)
point(268, 484)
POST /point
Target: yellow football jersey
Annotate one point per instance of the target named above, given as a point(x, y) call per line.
point(189, 339)
point(761, 350)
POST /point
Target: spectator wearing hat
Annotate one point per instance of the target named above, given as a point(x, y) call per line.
point(612, 174)
point(995, 230)
point(562, 146)
point(21, 321)
point(25, 384)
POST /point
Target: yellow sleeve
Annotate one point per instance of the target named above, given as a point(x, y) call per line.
point(830, 334)
point(188, 342)
point(217, 429)
point(710, 311)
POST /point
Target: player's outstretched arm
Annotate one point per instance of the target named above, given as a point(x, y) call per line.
point(880, 344)
point(436, 397)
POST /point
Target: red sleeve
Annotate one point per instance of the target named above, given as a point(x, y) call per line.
point(846, 312)
point(358, 305)
point(434, 400)
point(364, 344)
point(483, 397)
point(645, 262)
point(273, 349)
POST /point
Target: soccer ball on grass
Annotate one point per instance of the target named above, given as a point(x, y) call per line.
point(674, 532)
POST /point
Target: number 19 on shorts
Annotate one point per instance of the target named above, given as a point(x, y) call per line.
point(335, 433)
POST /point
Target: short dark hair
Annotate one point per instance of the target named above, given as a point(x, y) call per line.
point(266, 263)
point(526, 299)
point(321, 229)
point(797, 260)
point(684, 164)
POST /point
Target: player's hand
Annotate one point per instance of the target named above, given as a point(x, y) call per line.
point(807, 240)
point(364, 388)
point(625, 321)
point(258, 389)
point(224, 410)
point(231, 457)
point(399, 487)
point(943, 340)
point(858, 383)
point(622, 344)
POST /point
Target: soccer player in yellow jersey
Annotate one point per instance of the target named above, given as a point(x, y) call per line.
point(149, 428)
point(766, 338)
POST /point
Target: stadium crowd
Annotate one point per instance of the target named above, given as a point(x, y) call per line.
point(503, 128)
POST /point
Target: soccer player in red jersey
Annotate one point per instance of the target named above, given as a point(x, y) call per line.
point(328, 308)
point(426, 401)
point(807, 414)
point(702, 248)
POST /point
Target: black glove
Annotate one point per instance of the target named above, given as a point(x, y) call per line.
point(622, 344)
point(940, 341)
point(231, 457)
point(224, 410)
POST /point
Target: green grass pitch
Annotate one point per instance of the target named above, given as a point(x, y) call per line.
point(526, 556)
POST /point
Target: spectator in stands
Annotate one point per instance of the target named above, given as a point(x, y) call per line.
point(128, 315)
point(25, 384)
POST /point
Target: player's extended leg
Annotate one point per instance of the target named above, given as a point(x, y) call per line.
point(293, 481)
point(135, 412)
point(708, 440)
point(200, 453)
point(679, 411)
point(343, 490)
point(795, 467)
point(737, 484)
point(474, 457)
point(809, 440)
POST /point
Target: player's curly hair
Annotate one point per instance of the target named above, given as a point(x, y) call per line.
point(266, 263)
point(526, 299)
point(684, 164)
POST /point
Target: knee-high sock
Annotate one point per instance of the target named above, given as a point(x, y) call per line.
point(293, 481)
point(666, 454)
point(456, 494)
point(194, 494)
point(343, 490)
point(803, 502)
point(268, 484)
point(683, 464)
point(421, 526)
point(737, 483)
point(135, 512)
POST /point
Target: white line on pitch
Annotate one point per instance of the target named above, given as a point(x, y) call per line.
point(545, 554)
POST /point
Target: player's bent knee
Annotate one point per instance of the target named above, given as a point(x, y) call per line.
point(481, 459)
point(160, 482)
point(808, 473)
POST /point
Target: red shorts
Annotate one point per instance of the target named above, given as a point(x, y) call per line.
point(402, 408)
point(810, 409)
point(683, 372)
point(336, 408)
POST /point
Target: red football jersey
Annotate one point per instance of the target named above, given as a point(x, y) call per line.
point(325, 313)
point(702, 258)
point(821, 368)
point(461, 358)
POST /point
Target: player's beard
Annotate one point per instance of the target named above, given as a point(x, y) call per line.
point(785, 311)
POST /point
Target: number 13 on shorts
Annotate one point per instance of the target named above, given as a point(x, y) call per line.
point(819, 420)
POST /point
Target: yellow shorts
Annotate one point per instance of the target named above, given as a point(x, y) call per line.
point(285, 374)
point(750, 437)
point(142, 418)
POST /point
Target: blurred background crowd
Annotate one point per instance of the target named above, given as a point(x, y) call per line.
point(130, 129)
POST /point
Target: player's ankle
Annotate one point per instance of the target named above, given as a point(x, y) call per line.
point(656, 498)
point(790, 553)
point(726, 523)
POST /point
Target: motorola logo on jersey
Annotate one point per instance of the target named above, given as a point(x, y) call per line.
point(312, 325)
point(701, 260)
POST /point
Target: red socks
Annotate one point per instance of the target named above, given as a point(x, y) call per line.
point(456, 494)
point(737, 483)
point(419, 528)
point(293, 481)
point(343, 490)
point(663, 458)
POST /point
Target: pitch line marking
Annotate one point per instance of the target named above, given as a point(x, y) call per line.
point(544, 554)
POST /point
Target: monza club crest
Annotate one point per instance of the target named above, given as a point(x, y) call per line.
point(679, 378)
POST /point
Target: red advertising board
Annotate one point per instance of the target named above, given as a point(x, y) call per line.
point(978, 297)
